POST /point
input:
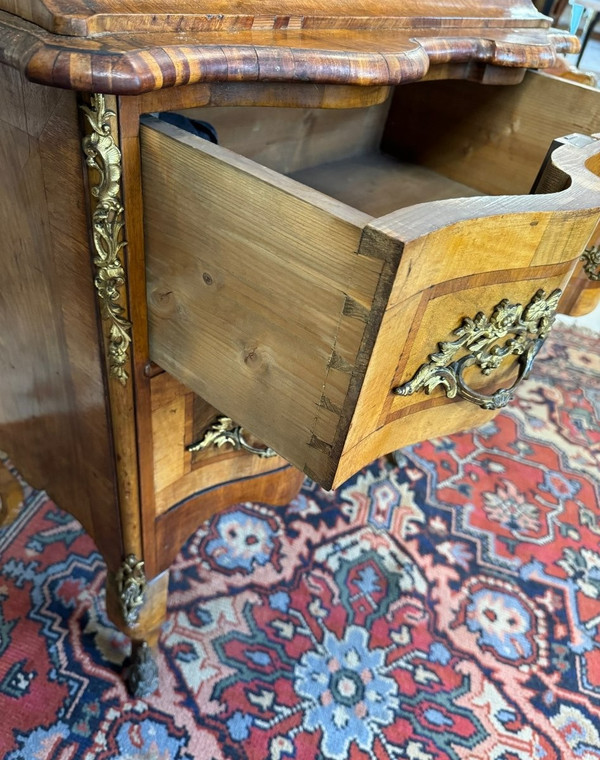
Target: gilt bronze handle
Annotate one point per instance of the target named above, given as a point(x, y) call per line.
point(591, 262)
point(512, 330)
point(224, 431)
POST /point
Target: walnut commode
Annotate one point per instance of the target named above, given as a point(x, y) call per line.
point(359, 263)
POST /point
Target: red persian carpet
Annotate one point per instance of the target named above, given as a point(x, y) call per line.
point(442, 607)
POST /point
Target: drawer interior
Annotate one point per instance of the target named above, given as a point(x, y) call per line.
point(378, 183)
point(337, 152)
point(429, 141)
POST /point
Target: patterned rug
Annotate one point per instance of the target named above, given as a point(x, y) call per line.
point(444, 606)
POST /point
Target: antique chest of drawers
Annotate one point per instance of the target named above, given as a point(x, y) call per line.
point(358, 264)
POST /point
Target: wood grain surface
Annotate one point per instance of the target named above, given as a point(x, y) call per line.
point(132, 60)
point(492, 138)
point(294, 139)
point(379, 184)
point(53, 416)
point(244, 244)
point(182, 488)
point(120, 394)
point(88, 17)
point(250, 94)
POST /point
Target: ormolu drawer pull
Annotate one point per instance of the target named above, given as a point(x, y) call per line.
point(479, 336)
point(591, 262)
point(225, 431)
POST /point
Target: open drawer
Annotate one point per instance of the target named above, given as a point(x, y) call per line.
point(316, 325)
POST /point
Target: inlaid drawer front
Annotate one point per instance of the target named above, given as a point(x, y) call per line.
point(335, 335)
point(193, 451)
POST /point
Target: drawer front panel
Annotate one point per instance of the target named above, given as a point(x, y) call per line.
point(179, 419)
point(466, 267)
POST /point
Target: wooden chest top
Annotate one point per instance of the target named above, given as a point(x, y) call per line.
point(83, 18)
point(132, 47)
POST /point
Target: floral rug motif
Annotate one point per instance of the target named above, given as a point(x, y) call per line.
point(444, 604)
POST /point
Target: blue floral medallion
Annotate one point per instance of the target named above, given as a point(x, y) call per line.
point(349, 694)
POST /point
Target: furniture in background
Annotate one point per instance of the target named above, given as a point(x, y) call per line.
point(357, 265)
point(554, 8)
point(589, 10)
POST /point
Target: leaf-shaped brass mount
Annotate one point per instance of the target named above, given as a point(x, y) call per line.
point(224, 431)
point(104, 157)
point(525, 330)
point(591, 262)
point(131, 585)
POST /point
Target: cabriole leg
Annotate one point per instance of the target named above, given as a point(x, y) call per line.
point(139, 611)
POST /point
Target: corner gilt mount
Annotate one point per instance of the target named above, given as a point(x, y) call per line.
point(104, 157)
point(131, 585)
